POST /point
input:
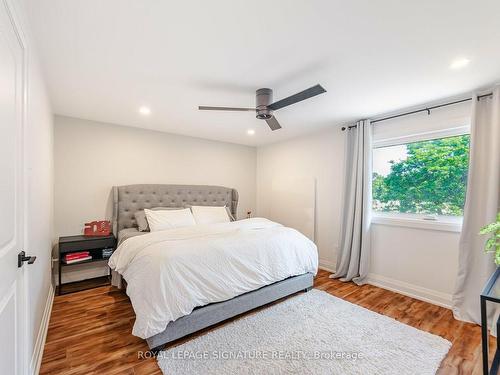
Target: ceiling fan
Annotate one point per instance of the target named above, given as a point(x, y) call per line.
point(265, 107)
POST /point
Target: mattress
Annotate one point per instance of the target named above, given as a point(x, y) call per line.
point(171, 272)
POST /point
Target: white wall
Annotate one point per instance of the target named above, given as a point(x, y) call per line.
point(318, 156)
point(39, 199)
point(91, 157)
point(40, 216)
point(419, 262)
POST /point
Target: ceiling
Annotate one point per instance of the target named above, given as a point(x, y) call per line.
point(105, 59)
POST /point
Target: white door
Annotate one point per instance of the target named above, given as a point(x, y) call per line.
point(12, 292)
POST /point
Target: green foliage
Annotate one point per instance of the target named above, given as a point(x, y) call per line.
point(493, 243)
point(431, 180)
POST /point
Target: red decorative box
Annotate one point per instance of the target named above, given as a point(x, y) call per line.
point(97, 228)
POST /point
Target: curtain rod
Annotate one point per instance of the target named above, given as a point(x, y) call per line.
point(426, 109)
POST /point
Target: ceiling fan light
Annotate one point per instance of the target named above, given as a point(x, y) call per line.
point(264, 107)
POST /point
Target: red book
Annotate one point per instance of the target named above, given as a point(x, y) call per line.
point(77, 260)
point(78, 255)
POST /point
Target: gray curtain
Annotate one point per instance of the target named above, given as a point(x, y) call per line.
point(353, 259)
point(481, 205)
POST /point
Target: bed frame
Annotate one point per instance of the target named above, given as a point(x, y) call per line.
point(131, 198)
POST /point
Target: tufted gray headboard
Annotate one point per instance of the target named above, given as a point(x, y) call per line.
point(131, 198)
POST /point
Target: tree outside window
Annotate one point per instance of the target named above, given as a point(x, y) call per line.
point(426, 177)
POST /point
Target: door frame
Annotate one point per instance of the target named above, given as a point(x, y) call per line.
point(13, 10)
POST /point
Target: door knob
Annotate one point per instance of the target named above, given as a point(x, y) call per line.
point(21, 258)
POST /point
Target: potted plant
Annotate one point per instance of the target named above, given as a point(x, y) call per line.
point(493, 243)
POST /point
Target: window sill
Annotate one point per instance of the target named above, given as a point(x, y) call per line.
point(446, 225)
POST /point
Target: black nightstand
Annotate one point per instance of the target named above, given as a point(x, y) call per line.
point(94, 245)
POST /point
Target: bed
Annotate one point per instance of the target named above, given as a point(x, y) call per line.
point(183, 280)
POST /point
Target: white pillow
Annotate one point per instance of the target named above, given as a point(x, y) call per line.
point(168, 219)
point(142, 222)
point(210, 214)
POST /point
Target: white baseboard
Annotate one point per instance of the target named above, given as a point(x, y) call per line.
point(36, 359)
point(327, 265)
point(411, 290)
point(401, 287)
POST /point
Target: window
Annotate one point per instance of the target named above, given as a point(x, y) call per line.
point(424, 177)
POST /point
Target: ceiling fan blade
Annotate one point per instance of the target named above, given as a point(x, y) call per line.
point(303, 95)
point(273, 123)
point(205, 108)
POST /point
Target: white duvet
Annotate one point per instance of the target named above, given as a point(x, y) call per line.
point(171, 272)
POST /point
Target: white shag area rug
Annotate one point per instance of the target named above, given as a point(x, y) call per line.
point(311, 333)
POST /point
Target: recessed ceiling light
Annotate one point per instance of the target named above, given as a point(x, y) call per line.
point(250, 132)
point(459, 63)
point(144, 110)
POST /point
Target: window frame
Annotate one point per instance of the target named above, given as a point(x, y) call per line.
point(419, 221)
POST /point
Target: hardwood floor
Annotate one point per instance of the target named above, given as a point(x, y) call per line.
point(90, 331)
